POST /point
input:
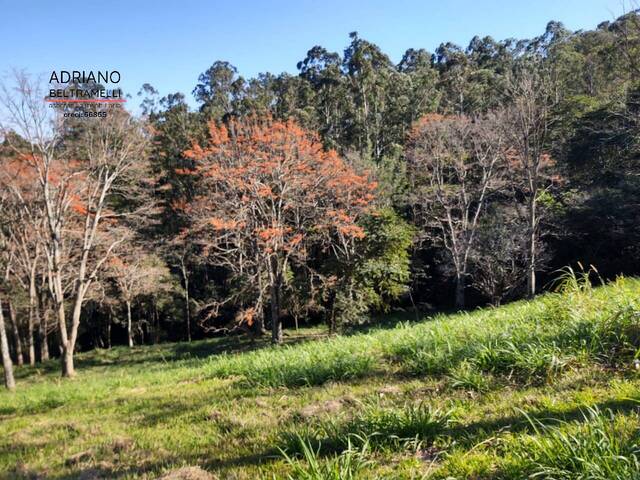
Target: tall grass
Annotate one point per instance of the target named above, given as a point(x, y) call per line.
point(344, 466)
point(599, 447)
point(382, 427)
point(311, 363)
point(528, 341)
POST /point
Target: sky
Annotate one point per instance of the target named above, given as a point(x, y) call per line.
point(169, 43)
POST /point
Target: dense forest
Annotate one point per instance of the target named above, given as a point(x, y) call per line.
point(464, 177)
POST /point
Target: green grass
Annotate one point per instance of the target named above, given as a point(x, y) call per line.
point(540, 389)
point(376, 425)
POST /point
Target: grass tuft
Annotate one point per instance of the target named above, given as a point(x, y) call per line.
point(344, 466)
point(383, 427)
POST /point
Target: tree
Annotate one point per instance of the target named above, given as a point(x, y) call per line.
point(7, 364)
point(23, 228)
point(369, 74)
point(136, 273)
point(323, 71)
point(499, 257)
point(527, 126)
point(374, 275)
point(81, 167)
point(219, 90)
point(269, 192)
point(455, 163)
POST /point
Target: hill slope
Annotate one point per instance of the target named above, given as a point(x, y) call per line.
point(545, 387)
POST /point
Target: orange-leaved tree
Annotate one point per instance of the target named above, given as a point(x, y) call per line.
point(268, 193)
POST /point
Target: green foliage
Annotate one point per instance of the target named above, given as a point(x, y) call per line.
point(385, 269)
point(380, 273)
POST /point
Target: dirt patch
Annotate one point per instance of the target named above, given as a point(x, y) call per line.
point(94, 474)
point(188, 473)
point(389, 390)
point(330, 406)
point(215, 416)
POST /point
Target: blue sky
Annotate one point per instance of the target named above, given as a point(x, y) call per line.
point(168, 44)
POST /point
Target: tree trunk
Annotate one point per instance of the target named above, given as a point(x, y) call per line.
point(32, 316)
point(257, 328)
point(16, 335)
point(156, 327)
point(129, 329)
point(460, 286)
point(68, 369)
point(187, 307)
point(7, 365)
point(68, 345)
point(109, 333)
point(276, 324)
point(531, 268)
point(44, 336)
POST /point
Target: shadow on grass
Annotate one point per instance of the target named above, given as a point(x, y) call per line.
point(97, 463)
point(152, 413)
point(254, 459)
point(471, 434)
point(122, 357)
point(103, 472)
point(392, 320)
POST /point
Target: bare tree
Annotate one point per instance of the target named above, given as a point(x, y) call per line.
point(629, 29)
point(76, 180)
point(136, 274)
point(44, 306)
point(455, 163)
point(179, 252)
point(7, 364)
point(24, 229)
point(499, 258)
point(527, 124)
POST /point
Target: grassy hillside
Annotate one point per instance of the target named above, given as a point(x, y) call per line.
point(547, 388)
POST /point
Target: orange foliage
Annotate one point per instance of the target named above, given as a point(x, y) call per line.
point(273, 180)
